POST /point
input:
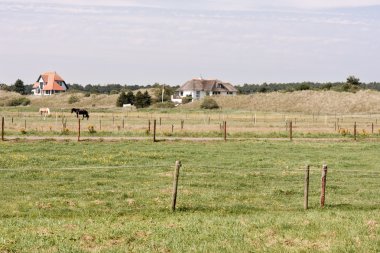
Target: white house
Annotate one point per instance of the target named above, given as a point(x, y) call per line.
point(199, 88)
point(49, 83)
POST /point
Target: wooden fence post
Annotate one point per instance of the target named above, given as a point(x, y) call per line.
point(123, 122)
point(172, 128)
point(306, 190)
point(25, 125)
point(100, 125)
point(291, 130)
point(2, 128)
point(149, 126)
point(225, 130)
point(160, 121)
point(154, 131)
point(323, 189)
point(355, 131)
point(182, 123)
point(372, 127)
point(175, 184)
point(78, 129)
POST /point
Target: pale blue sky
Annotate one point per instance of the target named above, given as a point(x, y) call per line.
point(172, 41)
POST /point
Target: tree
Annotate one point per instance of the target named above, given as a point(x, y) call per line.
point(3, 86)
point(139, 100)
point(142, 100)
point(19, 87)
point(147, 99)
point(130, 98)
point(157, 92)
point(121, 99)
point(352, 80)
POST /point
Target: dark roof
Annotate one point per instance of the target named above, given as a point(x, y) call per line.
point(207, 85)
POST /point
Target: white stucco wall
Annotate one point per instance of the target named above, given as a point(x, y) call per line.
point(202, 94)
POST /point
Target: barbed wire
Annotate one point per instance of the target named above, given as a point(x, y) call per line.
point(88, 167)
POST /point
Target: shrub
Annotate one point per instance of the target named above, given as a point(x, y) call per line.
point(303, 87)
point(22, 131)
point(87, 94)
point(209, 103)
point(73, 99)
point(91, 129)
point(65, 131)
point(344, 131)
point(19, 101)
point(187, 99)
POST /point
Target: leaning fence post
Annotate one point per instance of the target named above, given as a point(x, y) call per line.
point(291, 130)
point(306, 190)
point(78, 129)
point(175, 184)
point(154, 131)
point(2, 128)
point(323, 189)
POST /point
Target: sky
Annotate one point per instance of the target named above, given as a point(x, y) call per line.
point(172, 41)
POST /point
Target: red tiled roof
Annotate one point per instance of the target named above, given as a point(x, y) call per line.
point(53, 86)
point(51, 80)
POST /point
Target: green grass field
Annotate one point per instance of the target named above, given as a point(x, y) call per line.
point(238, 196)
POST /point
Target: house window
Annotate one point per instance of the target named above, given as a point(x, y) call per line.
point(181, 93)
point(229, 93)
point(219, 85)
point(198, 94)
point(216, 93)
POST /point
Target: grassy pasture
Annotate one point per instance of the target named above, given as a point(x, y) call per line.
point(240, 124)
point(238, 196)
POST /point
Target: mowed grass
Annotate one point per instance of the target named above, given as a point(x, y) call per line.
point(236, 196)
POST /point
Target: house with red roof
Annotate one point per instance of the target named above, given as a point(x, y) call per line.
point(49, 83)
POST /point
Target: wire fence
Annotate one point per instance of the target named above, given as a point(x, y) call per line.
point(247, 126)
point(198, 177)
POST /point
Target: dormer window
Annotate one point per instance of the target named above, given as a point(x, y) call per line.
point(219, 85)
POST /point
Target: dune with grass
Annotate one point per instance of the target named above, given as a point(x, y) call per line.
point(324, 102)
